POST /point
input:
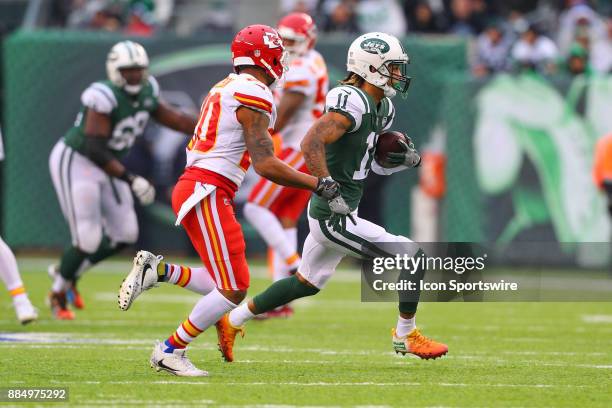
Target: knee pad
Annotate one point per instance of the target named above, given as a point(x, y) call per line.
point(89, 237)
point(128, 234)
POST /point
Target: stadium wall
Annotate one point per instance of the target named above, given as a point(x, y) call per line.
point(45, 72)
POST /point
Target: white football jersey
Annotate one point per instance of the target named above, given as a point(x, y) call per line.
point(306, 75)
point(218, 143)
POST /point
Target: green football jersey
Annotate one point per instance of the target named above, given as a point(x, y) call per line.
point(350, 157)
point(129, 114)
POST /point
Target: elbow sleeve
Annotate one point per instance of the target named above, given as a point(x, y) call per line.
point(97, 151)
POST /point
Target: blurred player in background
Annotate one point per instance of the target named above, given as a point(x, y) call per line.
point(602, 169)
point(340, 146)
point(93, 187)
point(232, 133)
point(9, 273)
point(272, 209)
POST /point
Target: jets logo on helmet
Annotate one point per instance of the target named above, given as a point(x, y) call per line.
point(126, 54)
point(375, 46)
point(380, 60)
point(300, 30)
point(260, 45)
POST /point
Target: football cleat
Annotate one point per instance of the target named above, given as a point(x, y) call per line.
point(26, 313)
point(59, 308)
point(419, 345)
point(226, 335)
point(72, 294)
point(143, 276)
point(284, 311)
point(175, 363)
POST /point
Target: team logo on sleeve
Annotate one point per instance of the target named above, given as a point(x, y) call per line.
point(374, 46)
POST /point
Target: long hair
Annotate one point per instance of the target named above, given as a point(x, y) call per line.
point(352, 79)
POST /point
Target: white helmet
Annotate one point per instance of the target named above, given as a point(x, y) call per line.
point(126, 54)
point(370, 55)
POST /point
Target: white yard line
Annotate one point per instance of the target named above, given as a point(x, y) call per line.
point(327, 384)
point(596, 318)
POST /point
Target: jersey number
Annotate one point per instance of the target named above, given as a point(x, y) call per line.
point(205, 134)
point(127, 130)
point(366, 161)
point(341, 104)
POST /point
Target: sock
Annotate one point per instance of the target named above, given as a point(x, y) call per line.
point(282, 267)
point(8, 269)
point(279, 267)
point(71, 262)
point(404, 326)
point(271, 230)
point(206, 312)
point(59, 284)
point(105, 250)
point(197, 280)
point(282, 292)
point(240, 315)
point(18, 294)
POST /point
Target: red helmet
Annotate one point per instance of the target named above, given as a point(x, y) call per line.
point(260, 45)
point(298, 27)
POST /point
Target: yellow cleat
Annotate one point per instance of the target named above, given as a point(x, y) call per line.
point(419, 345)
point(226, 335)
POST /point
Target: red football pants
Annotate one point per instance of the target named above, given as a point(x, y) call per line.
point(215, 234)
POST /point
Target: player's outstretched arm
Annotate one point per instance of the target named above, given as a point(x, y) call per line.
point(289, 104)
point(327, 129)
point(174, 118)
point(260, 147)
point(97, 132)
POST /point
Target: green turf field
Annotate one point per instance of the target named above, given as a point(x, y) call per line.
point(335, 351)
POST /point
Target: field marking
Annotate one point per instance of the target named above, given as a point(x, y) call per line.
point(327, 384)
point(145, 402)
point(596, 318)
point(76, 340)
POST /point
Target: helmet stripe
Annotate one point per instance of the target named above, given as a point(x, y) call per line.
point(128, 45)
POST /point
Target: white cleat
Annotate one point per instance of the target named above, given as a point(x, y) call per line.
point(176, 363)
point(26, 313)
point(143, 276)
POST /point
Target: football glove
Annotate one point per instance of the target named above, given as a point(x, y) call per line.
point(327, 188)
point(143, 190)
point(340, 211)
point(409, 157)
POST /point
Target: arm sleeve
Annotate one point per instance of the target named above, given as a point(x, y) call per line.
point(255, 96)
point(346, 101)
point(99, 97)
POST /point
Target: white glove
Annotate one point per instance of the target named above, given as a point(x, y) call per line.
point(143, 190)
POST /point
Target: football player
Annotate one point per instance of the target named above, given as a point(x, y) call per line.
point(232, 132)
point(9, 273)
point(93, 187)
point(272, 209)
point(340, 146)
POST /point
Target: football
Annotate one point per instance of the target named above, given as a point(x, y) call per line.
point(388, 142)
